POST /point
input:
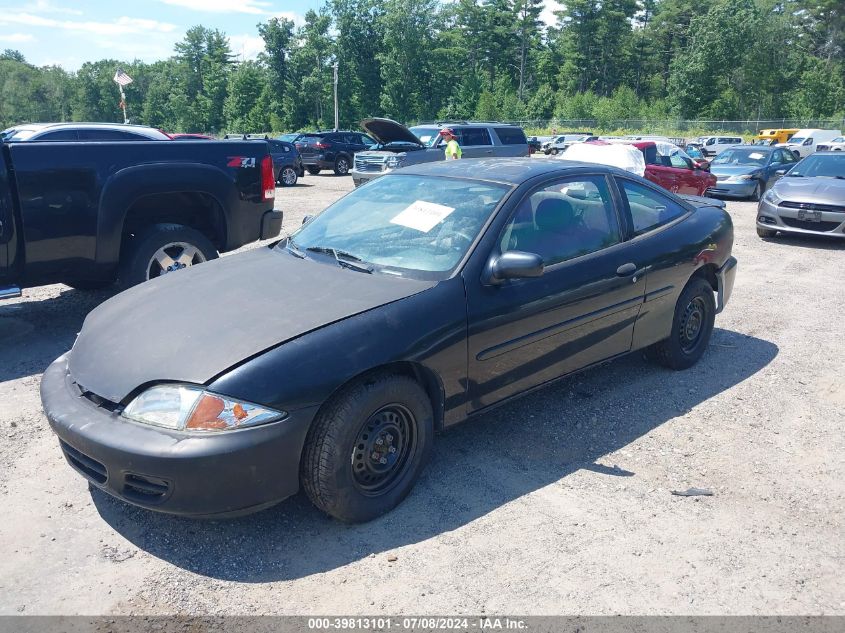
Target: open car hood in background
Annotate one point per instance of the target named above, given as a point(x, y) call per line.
point(388, 131)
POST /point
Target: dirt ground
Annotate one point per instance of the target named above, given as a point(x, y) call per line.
point(558, 503)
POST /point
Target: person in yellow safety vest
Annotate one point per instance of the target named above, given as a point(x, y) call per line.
point(453, 150)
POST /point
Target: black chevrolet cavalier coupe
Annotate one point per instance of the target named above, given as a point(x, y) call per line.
point(331, 358)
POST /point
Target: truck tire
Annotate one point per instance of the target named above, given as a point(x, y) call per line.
point(161, 249)
point(692, 326)
point(367, 447)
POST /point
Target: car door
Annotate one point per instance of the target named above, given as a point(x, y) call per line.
point(7, 228)
point(524, 332)
point(663, 175)
point(687, 179)
point(475, 142)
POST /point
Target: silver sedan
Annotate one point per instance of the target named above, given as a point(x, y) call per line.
point(810, 199)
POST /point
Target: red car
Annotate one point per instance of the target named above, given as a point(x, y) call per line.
point(677, 173)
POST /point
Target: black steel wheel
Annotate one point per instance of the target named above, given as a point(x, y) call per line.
point(692, 326)
point(367, 446)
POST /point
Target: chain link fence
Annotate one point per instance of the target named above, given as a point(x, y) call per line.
point(748, 127)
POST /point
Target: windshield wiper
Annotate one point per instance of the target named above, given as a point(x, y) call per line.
point(294, 250)
point(343, 259)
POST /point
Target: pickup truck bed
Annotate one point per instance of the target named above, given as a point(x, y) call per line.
point(89, 213)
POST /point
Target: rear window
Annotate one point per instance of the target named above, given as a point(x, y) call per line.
point(511, 135)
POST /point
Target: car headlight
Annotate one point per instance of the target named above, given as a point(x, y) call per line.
point(394, 162)
point(190, 408)
point(772, 197)
point(740, 178)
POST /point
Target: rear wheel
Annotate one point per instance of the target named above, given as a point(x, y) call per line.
point(341, 166)
point(288, 177)
point(367, 447)
point(692, 326)
point(162, 249)
point(766, 232)
point(313, 170)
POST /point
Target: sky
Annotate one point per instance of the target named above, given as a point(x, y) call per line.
point(68, 33)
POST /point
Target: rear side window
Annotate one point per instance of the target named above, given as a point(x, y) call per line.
point(58, 135)
point(474, 136)
point(649, 209)
point(511, 135)
point(109, 135)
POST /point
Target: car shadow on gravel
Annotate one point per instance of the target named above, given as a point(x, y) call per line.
point(815, 242)
point(477, 467)
point(34, 333)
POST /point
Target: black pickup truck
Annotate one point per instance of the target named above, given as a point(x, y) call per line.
point(89, 214)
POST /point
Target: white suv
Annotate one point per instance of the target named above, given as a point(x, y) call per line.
point(712, 145)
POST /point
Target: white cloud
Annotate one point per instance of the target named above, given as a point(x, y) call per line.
point(17, 38)
point(44, 6)
point(120, 26)
point(548, 15)
point(246, 46)
point(255, 7)
point(296, 18)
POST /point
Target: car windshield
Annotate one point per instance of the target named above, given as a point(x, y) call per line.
point(428, 135)
point(415, 226)
point(21, 134)
point(797, 140)
point(839, 139)
point(290, 138)
point(742, 157)
point(820, 166)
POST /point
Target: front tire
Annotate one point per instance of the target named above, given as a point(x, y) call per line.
point(367, 447)
point(313, 170)
point(161, 249)
point(554, 151)
point(692, 326)
point(757, 193)
point(765, 232)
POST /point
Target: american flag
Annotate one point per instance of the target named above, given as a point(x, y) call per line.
point(122, 78)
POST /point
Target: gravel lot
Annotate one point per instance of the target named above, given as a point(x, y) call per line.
point(557, 503)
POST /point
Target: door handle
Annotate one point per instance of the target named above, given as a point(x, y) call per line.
point(626, 270)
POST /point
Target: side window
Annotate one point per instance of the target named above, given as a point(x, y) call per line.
point(809, 141)
point(711, 141)
point(788, 157)
point(366, 140)
point(676, 160)
point(511, 135)
point(109, 135)
point(649, 209)
point(475, 136)
point(59, 135)
point(564, 220)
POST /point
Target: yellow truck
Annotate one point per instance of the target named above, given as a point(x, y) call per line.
point(771, 137)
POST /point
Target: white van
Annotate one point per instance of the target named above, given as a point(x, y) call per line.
point(805, 142)
point(712, 145)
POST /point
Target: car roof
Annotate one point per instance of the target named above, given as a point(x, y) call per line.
point(513, 171)
point(442, 124)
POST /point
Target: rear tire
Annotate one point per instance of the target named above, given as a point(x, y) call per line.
point(313, 170)
point(367, 447)
point(766, 232)
point(288, 177)
point(144, 252)
point(341, 166)
point(692, 326)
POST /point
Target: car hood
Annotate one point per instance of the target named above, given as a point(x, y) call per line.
point(817, 190)
point(196, 324)
point(733, 170)
point(388, 131)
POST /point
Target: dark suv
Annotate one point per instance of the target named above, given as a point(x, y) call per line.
point(331, 150)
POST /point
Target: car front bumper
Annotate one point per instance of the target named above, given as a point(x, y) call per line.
point(213, 475)
point(743, 189)
point(786, 219)
point(363, 177)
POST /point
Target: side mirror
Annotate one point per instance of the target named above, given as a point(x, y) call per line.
point(703, 165)
point(307, 219)
point(781, 172)
point(515, 265)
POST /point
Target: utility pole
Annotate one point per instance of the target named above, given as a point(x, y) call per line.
point(336, 113)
